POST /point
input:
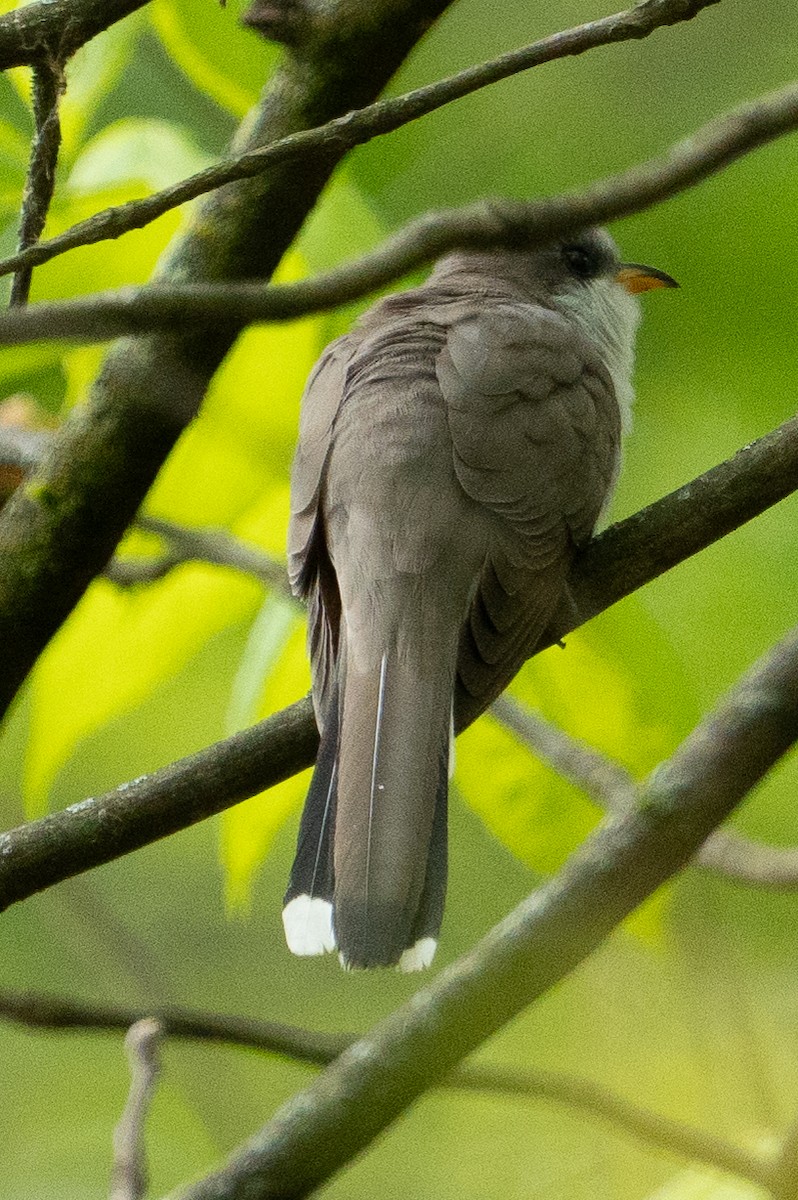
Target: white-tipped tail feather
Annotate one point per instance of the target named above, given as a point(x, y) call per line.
point(418, 956)
point(307, 922)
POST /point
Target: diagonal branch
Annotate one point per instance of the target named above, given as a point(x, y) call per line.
point(40, 853)
point(50, 29)
point(620, 560)
point(486, 224)
point(38, 1011)
point(21, 449)
point(530, 951)
point(361, 126)
point(612, 787)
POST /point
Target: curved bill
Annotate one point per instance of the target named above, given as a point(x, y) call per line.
point(636, 277)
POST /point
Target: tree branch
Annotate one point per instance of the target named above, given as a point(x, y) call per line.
point(36, 855)
point(37, 1011)
point(55, 29)
point(48, 86)
point(44, 852)
point(612, 787)
point(531, 950)
point(605, 781)
point(486, 224)
point(214, 546)
point(360, 126)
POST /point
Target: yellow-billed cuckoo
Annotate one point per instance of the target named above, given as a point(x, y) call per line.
point(454, 451)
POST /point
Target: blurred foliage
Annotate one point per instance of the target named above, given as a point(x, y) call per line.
point(692, 1009)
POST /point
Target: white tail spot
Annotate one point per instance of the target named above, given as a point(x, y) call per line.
point(307, 922)
point(418, 956)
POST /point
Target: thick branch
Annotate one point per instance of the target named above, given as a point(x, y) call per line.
point(361, 126)
point(60, 528)
point(55, 29)
point(535, 947)
point(38, 1011)
point(621, 559)
point(612, 787)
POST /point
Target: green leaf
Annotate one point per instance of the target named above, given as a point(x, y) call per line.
point(227, 62)
point(92, 72)
point(702, 1183)
point(136, 150)
point(618, 687)
point(267, 638)
point(249, 829)
point(113, 651)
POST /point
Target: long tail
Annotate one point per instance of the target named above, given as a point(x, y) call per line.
point(370, 870)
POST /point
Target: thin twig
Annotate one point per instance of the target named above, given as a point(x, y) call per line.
point(217, 547)
point(605, 781)
point(48, 85)
point(364, 124)
point(613, 788)
point(487, 224)
point(129, 1172)
point(307, 1046)
point(188, 545)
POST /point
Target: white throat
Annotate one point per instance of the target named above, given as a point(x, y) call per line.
point(608, 315)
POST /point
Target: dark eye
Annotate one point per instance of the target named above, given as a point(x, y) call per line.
point(581, 261)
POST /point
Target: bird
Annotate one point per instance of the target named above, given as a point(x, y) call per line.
point(455, 450)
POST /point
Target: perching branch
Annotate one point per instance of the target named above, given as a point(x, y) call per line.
point(55, 29)
point(129, 1172)
point(40, 853)
point(613, 788)
point(360, 126)
point(616, 563)
point(48, 85)
point(38, 1011)
point(531, 950)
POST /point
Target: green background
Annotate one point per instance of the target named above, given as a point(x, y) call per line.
point(692, 1008)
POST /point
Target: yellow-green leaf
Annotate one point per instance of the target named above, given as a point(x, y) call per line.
point(114, 649)
point(248, 830)
point(227, 62)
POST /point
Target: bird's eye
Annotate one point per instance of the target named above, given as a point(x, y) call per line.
point(581, 261)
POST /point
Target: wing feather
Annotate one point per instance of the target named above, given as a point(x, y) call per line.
point(535, 430)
